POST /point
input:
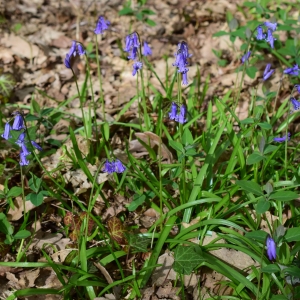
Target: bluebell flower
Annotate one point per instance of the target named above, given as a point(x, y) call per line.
point(136, 66)
point(119, 167)
point(297, 86)
point(260, 34)
point(271, 248)
point(25, 151)
point(282, 139)
point(245, 57)
point(75, 49)
point(270, 38)
point(67, 61)
point(80, 49)
point(101, 25)
point(268, 72)
point(72, 51)
point(183, 47)
point(295, 104)
point(21, 139)
point(272, 26)
point(173, 112)
point(36, 146)
point(147, 50)
point(109, 167)
point(133, 55)
point(132, 44)
point(23, 161)
point(292, 71)
point(180, 118)
point(184, 79)
point(181, 60)
point(6, 134)
point(18, 122)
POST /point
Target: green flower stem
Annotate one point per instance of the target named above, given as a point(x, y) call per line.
point(144, 105)
point(20, 252)
point(81, 105)
point(160, 122)
point(93, 95)
point(183, 161)
point(146, 116)
point(100, 79)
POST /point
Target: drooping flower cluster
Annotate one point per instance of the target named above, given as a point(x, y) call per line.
point(178, 117)
point(271, 27)
point(18, 125)
point(271, 248)
point(132, 46)
point(101, 25)
point(113, 166)
point(76, 49)
point(181, 60)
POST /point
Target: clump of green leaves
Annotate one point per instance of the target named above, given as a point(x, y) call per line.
point(8, 230)
point(37, 195)
point(140, 13)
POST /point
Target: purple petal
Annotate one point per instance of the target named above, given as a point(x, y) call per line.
point(271, 26)
point(282, 139)
point(37, 146)
point(180, 118)
point(80, 49)
point(147, 50)
point(136, 66)
point(271, 248)
point(260, 34)
point(119, 167)
point(173, 112)
point(18, 122)
point(245, 57)
point(109, 167)
point(23, 161)
point(6, 134)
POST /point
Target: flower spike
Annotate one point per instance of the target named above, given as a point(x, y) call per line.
point(181, 60)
